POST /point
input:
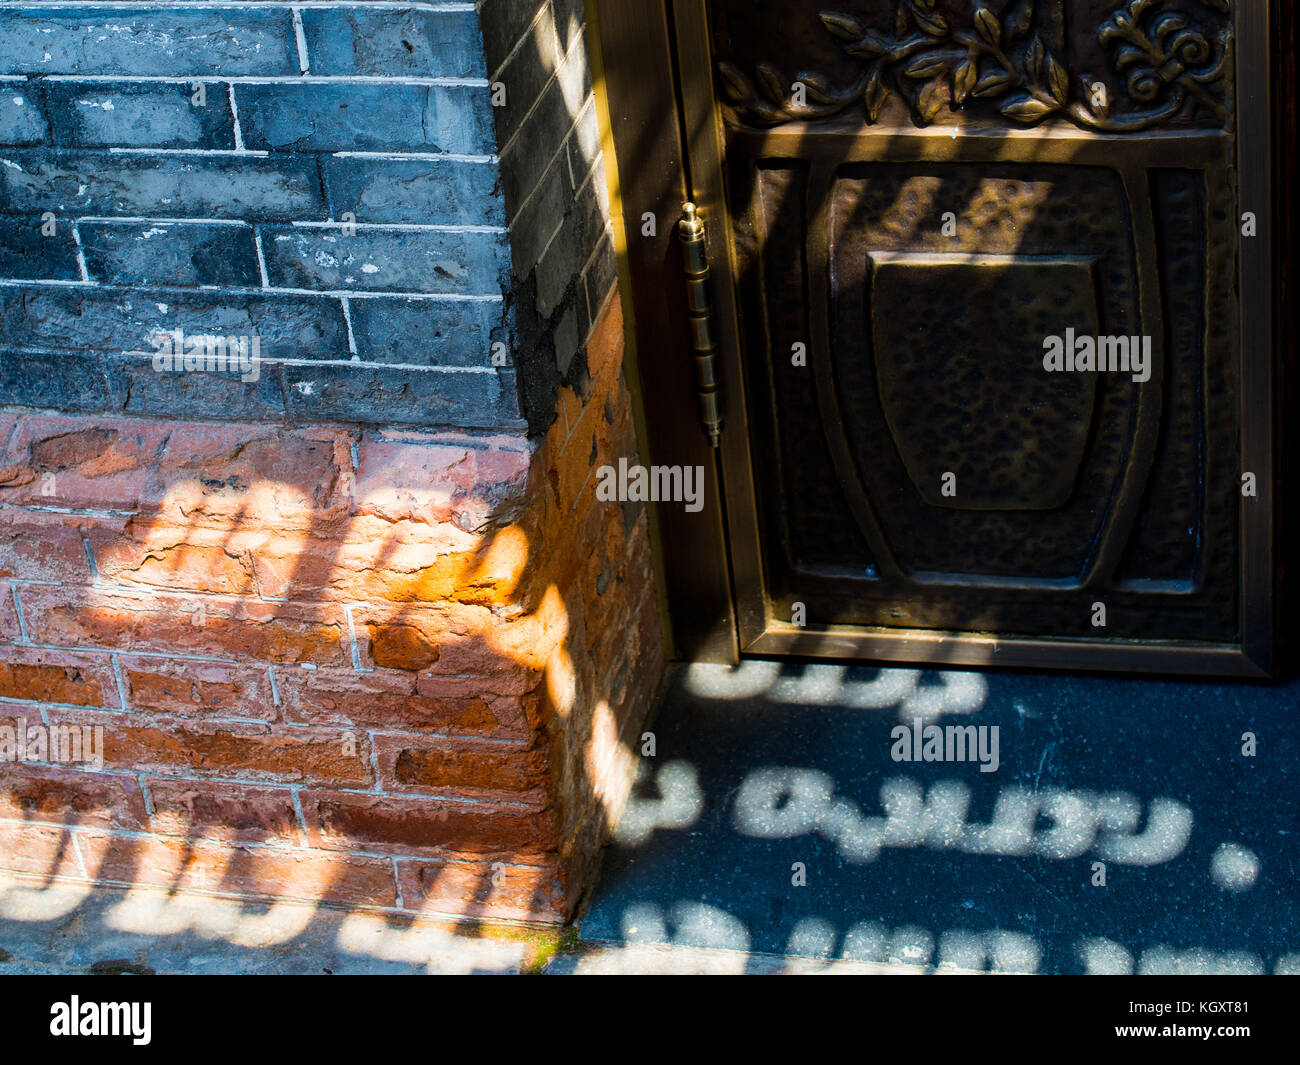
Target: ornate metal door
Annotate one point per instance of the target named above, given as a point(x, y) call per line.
point(993, 336)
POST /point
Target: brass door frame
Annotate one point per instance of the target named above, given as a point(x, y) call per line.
point(644, 48)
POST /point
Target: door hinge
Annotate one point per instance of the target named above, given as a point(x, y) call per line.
point(699, 307)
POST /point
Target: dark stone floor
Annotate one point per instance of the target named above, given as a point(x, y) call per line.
point(764, 769)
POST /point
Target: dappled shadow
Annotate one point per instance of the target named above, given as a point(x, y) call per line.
point(780, 816)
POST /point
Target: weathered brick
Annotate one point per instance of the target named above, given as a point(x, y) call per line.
point(389, 700)
point(420, 191)
point(245, 750)
point(373, 260)
point(161, 253)
point(69, 461)
point(566, 256)
point(526, 73)
point(242, 478)
point(141, 115)
point(39, 850)
point(135, 387)
point(9, 627)
point(153, 40)
point(237, 812)
point(393, 396)
point(211, 625)
point(472, 767)
point(275, 872)
point(513, 892)
point(433, 478)
point(423, 826)
point(503, 23)
point(21, 119)
point(27, 254)
point(197, 689)
point(280, 187)
point(37, 546)
point(50, 676)
point(537, 215)
point(115, 321)
point(178, 558)
point(421, 333)
point(71, 796)
point(77, 382)
point(323, 117)
point(393, 43)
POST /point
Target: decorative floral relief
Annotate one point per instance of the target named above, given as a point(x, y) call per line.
point(1163, 58)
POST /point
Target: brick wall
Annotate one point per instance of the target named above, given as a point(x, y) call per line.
point(130, 205)
point(359, 630)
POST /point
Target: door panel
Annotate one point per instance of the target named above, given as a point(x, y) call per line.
point(918, 193)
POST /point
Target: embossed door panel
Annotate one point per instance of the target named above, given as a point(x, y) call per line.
point(917, 194)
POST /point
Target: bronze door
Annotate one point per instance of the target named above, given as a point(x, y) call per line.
point(929, 223)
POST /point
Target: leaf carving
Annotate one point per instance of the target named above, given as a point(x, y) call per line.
point(816, 88)
point(1034, 59)
point(734, 83)
point(773, 84)
point(1058, 81)
point(994, 82)
point(870, 45)
point(933, 24)
point(875, 96)
point(1025, 108)
point(925, 66)
point(930, 100)
point(987, 25)
point(963, 81)
point(845, 27)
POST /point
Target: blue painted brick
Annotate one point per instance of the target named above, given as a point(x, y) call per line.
point(143, 115)
point(433, 261)
point(159, 253)
point(427, 333)
point(63, 382)
point(27, 255)
point(402, 397)
point(148, 40)
point(21, 118)
point(137, 388)
point(391, 43)
point(316, 116)
point(80, 319)
point(283, 187)
point(430, 192)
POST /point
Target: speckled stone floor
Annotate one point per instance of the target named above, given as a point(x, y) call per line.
point(780, 816)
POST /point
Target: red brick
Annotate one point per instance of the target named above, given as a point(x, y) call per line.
point(96, 462)
point(388, 700)
point(424, 827)
point(509, 679)
point(401, 646)
point(42, 547)
point(71, 797)
point(197, 689)
point(188, 559)
point(257, 752)
point(439, 477)
point(50, 676)
point(38, 849)
point(202, 865)
point(472, 767)
point(225, 811)
point(9, 628)
point(513, 892)
point(231, 475)
point(166, 623)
